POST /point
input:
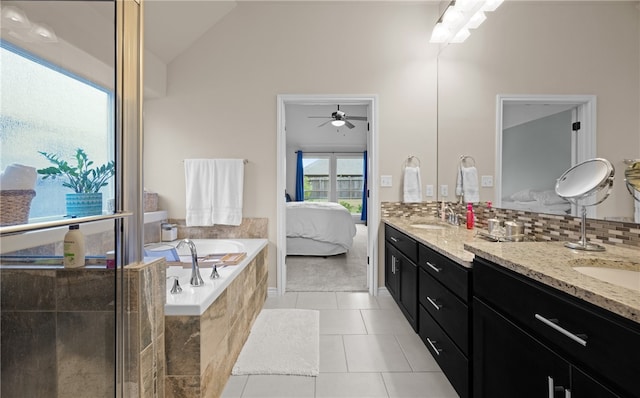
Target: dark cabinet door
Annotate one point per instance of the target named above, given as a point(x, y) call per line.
point(409, 290)
point(391, 280)
point(507, 362)
point(583, 386)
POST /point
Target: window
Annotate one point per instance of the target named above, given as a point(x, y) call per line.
point(45, 108)
point(334, 178)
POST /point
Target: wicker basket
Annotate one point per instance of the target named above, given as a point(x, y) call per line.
point(150, 201)
point(15, 206)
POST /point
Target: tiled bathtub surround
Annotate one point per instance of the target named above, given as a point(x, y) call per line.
point(250, 228)
point(544, 227)
point(201, 350)
point(145, 293)
point(58, 332)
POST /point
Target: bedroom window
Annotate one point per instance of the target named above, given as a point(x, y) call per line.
point(334, 177)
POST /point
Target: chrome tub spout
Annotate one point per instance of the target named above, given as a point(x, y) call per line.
point(196, 279)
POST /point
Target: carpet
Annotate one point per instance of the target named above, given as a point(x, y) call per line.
point(340, 273)
point(282, 342)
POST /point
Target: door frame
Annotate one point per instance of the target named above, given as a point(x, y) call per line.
point(583, 146)
point(373, 206)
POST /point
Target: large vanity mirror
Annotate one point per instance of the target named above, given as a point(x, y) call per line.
point(585, 50)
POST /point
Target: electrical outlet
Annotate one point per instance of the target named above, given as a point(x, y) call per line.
point(487, 181)
point(386, 181)
point(429, 191)
point(444, 190)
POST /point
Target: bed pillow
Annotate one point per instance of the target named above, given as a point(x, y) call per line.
point(526, 195)
point(549, 198)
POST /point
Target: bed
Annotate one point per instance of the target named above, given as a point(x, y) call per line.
point(544, 201)
point(318, 229)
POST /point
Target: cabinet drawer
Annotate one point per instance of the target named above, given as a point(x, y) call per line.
point(585, 335)
point(405, 244)
point(447, 309)
point(451, 360)
point(452, 275)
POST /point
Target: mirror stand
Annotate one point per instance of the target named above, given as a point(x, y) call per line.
point(582, 244)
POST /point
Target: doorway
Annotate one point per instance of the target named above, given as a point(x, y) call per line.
point(369, 104)
point(538, 137)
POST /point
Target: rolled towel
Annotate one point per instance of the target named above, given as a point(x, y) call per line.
point(18, 177)
point(412, 185)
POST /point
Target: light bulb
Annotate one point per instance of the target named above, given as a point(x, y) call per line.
point(338, 123)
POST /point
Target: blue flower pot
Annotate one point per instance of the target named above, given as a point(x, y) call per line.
point(84, 204)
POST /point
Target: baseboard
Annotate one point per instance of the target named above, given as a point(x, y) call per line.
point(382, 291)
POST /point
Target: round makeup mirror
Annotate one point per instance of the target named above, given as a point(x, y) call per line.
point(586, 179)
point(632, 177)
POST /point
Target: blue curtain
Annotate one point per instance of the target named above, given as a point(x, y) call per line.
point(299, 179)
point(363, 216)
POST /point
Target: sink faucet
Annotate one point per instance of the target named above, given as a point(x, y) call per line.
point(196, 279)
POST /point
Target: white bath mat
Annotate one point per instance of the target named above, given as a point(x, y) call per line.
point(282, 342)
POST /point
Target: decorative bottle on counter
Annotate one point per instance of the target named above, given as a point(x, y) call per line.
point(470, 216)
point(73, 247)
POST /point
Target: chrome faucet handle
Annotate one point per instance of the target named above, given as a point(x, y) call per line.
point(176, 287)
point(214, 272)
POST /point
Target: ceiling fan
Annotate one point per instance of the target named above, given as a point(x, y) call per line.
point(339, 118)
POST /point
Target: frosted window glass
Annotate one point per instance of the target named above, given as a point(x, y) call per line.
point(44, 108)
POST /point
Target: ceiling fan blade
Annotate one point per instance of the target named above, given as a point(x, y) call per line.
point(320, 117)
point(350, 125)
point(325, 123)
point(356, 117)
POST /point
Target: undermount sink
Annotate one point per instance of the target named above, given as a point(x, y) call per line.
point(428, 226)
point(619, 273)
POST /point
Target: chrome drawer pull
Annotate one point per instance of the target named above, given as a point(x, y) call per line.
point(552, 324)
point(393, 239)
point(553, 389)
point(433, 303)
point(433, 267)
point(432, 344)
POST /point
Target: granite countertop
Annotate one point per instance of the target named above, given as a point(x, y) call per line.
point(547, 262)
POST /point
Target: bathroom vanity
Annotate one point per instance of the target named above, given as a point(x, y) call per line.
point(521, 319)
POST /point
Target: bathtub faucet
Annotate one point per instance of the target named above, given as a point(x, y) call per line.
point(196, 279)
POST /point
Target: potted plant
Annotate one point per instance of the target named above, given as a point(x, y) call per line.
point(84, 180)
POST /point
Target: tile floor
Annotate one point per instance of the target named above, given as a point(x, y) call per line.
point(367, 349)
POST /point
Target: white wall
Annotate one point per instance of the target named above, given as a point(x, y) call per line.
point(537, 47)
point(221, 92)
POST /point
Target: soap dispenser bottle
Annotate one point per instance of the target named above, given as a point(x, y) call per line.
point(470, 216)
point(73, 247)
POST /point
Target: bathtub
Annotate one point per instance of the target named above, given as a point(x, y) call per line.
point(195, 300)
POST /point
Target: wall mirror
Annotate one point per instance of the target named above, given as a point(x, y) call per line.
point(542, 48)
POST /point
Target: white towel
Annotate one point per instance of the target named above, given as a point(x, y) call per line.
point(214, 189)
point(412, 185)
point(467, 184)
point(18, 177)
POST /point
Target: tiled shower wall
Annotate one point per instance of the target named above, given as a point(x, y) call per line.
point(544, 227)
point(53, 322)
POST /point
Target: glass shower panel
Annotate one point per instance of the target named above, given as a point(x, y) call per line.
point(57, 90)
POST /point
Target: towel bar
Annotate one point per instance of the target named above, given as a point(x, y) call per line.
point(464, 158)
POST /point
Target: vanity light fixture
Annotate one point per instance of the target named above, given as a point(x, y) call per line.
point(460, 16)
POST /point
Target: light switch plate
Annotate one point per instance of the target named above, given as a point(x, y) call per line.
point(386, 181)
point(429, 191)
point(444, 190)
point(487, 181)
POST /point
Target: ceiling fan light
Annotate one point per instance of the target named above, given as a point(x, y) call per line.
point(452, 16)
point(338, 123)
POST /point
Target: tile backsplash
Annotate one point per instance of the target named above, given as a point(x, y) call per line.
point(544, 227)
